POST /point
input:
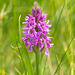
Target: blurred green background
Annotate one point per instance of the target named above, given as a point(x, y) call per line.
point(61, 13)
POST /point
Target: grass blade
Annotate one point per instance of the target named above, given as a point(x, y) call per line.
point(28, 62)
point(63, 57)
point(6, 22)
point(19, 28)
point(27, 59)
point(71, 35)
point(58, 20)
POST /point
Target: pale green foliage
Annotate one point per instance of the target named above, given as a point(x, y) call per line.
point(14, 58)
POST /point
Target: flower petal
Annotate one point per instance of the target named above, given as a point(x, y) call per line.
point(37, 16)
point(30, 49)
point(24, 39)
point(26, 44)
point(48, 45)
point(47, 52)
point(40, 45)
point(51, 45)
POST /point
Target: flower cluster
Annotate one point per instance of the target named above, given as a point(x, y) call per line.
point(36, 30)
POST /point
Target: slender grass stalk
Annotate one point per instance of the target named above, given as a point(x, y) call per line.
point(28, 62)
point(1, 25)
point(18, 71)
point(24, 63)
point(71, 35)
point(63, 56)
point(68, 55)
point(19, 29)
point(0, 36)
point(20, 53)
point(6, 22)
point(58, 20)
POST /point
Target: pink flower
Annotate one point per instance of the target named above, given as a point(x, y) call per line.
point(36, 30)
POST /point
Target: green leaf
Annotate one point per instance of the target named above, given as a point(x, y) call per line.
point(27, 59)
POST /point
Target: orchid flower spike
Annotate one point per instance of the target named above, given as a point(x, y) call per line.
point(36, 29)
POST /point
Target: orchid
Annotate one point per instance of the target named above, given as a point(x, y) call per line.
point(36, 31)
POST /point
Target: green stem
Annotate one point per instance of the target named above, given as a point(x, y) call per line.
point(37, 63)
point(71, 36)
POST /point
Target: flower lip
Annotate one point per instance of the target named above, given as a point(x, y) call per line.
point(47, 52)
